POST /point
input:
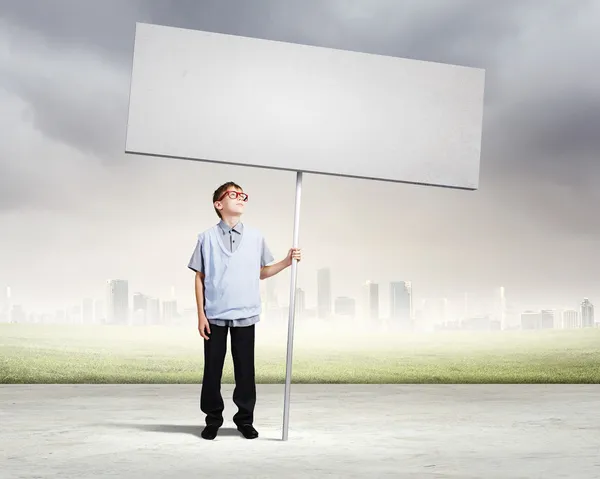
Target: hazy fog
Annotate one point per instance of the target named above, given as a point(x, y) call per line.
point(75, 211)
point(159, 341)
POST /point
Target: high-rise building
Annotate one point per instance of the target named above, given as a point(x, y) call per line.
point(371, 301)
point(570, 319)
point(140, 302)
point(324, 293)
point(401, 304)
point(345, 307)
point(117, 301)
point(531, 320)
point(548, 319)
point(139, 310)
point(587, 314)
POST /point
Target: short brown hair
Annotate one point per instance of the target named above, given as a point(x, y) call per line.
point(222, 189)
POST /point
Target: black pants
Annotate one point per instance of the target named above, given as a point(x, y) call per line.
point(244, 394)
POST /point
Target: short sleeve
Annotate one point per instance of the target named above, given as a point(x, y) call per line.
point(266, 257)
point(196, 261)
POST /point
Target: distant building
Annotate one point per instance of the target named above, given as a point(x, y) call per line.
point(401, 304)
point(140, 308)
point(531, 320)
point(117, 301)
point(152, 311)
point(570, 319)
point(371, 301)
point(140, 302)
point(548, 319)
point(587, 313)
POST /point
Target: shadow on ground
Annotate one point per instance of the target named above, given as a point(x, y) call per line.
point(180, 429)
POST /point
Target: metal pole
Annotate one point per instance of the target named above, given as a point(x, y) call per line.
point(292, 312)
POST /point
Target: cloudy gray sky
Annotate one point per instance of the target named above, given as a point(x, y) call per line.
point(75, 210)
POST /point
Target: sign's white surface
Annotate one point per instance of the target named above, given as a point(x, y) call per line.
point(246, 101)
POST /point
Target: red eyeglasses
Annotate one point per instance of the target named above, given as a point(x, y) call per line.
point(234, 195)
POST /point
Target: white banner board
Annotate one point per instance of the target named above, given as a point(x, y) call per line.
point(245, 101)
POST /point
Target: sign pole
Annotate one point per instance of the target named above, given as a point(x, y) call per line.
point(292, 312)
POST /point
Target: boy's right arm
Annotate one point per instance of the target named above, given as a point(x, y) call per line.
point(197, 264)
point(203, 325)
point(199, 287)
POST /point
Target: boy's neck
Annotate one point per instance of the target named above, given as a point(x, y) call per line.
point(231, 221)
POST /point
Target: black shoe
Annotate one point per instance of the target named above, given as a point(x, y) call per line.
point(248, 431)
point(210, 432)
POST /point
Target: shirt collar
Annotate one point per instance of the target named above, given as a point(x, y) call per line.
point(239, 228)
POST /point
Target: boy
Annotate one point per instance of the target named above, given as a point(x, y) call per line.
point(230, 259)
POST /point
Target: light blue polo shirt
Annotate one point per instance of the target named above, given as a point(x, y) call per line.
point(230, 259)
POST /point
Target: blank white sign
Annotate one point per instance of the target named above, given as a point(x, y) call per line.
point(246, 101)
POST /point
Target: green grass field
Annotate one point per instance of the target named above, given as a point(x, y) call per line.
point(100, 354)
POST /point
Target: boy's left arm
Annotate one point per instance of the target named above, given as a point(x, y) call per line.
point(268, 270)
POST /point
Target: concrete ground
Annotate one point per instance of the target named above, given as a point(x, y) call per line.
point(401, 431)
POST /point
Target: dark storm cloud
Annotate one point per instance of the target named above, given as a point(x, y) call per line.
point(530, 138)
point(566, 127)
point(96, 123)
point(460, 32)
point(103, 27)
point(93, 125)
point(107, 27)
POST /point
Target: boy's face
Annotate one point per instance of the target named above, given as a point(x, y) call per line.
point(232, 202)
